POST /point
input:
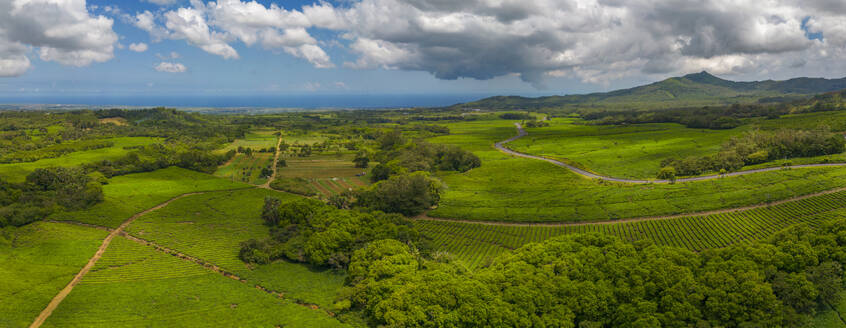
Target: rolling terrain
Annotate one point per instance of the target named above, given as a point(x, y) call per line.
point(692, 90)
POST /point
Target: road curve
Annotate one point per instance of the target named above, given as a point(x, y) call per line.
point(522, 133)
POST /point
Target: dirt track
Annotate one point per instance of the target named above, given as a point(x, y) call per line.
point(54, 303)
point(521, 133)
point(266, 185)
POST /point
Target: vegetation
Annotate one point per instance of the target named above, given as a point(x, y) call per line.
point(36, 262)
point(756, 147)
point(46, 191)
point(309, 231)
point(477, 244)
point(299, 186)
point(692, 90)
point(166, 291)
point(594, 280)
point(211, 226)
point(350, 255)
point(127, 195)
point(409, 194)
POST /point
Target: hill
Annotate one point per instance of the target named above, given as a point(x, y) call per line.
point(699, 89)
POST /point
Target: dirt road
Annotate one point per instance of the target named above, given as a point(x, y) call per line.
point(266, 185)
point(54, 303)
point(521, 133)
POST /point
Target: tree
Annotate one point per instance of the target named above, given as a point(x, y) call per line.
point(667, 173)
point(380, 172)
point(361, 160)
point(408, 194)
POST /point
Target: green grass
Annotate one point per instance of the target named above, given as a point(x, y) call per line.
point(507, 188)
point(320, 166)
point(245, 168)
point(135, 286)
point(476, 244)
point(636, 151)
point(631, 151)
point(828, 316)
point(17, 172)
point(211, 226)
point(36, 262)
point(129, 194)
point(255, 139)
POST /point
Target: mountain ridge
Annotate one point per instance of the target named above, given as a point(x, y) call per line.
point(691, 90)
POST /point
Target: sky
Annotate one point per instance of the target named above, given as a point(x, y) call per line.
point(355, 47)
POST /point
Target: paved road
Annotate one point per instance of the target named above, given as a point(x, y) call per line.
point(521, 133)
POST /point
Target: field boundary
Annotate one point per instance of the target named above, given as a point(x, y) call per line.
point(643, 218)
point(522, 133)
point(54, 303)
point(270, 179)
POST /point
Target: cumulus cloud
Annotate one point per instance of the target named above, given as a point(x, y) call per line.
point(171, 67)
point(60, 31)
point(594, 40)
point(138, 47)
point(163, 2)
point(214, 26)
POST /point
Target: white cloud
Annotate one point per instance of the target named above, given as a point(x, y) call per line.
point(595, 40)
point(190, 25)
point(60, 31)
point(162, 2)
point(215, 25)
point(171, 67)
point(138, 47)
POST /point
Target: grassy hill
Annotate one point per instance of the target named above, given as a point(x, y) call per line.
point(700, 89)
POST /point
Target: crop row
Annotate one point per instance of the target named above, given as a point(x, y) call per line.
point(126, 260)
point(477, 243)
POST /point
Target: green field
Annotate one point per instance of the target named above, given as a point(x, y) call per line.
point(16, 172)
point(255, 139)
point(507, 188)
point(135, 286)
point(210, 227)
point(832, 316)
point(631, 151)
point(36, 262)
point(636, 151)
point(477, 243)
point(327, 174)
point(133, 193)
point(243, 168)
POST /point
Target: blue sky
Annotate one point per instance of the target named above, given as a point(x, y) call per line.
point(530, 47)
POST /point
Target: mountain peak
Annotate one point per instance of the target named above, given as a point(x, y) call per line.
point(700, 75)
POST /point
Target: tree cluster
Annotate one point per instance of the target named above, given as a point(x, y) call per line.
point(309, 231)
point(397, 156)
point(407, 194)
point(757, 147)
point(593, 280)
point(47, 190)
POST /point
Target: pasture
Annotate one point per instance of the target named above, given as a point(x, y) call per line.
point(211, 227)
point(135, 286)
point(630, 151)
point(36, 262)
point(514, 189)
point(243, 168)
point(16, 172)
point(129, 194)
point(255, 139)
point(635, 151)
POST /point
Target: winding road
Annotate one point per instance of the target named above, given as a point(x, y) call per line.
point(522, 133)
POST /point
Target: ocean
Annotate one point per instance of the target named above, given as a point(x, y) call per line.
point(262, 101)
